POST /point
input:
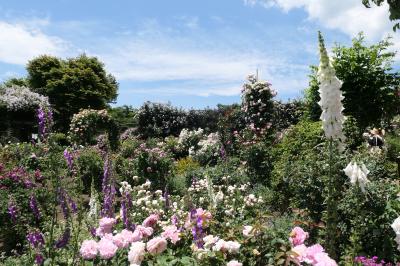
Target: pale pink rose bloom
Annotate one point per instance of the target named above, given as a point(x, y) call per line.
point(107, 249)
point(301, 251)
point(210, 240)
point(128, 236)
point(247, 230)
point(150, 221)
point(323, 259)
point(120, 241)
point(106, 224)
point(311, 252)
point(88, 249)
point(171, 232)
point(157, 245)
point(232, 246)
point(220, 245)
point(136, 253)
point(234, 263)
point(298, 236)
point(141, 232)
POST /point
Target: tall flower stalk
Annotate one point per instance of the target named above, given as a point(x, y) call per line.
point(332, 124)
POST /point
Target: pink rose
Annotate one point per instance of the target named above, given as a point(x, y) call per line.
point(150, 221)
point(128, 236)
point(136, 253)
point(157, 245)
point(171, 232)
point(88, 249)
point(312, 251)
point(322, 259)
point(141, 232)
point(298, 236)
point(120, 241)
point(107, 249)
point(234, 263)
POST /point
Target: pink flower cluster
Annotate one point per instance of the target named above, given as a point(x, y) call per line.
point(109, 243)
point(313, 255)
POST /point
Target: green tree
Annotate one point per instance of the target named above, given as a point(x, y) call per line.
point(125, 117)
point(22, 82)
point(72, 84)
point(369, 83)
point(394, 9)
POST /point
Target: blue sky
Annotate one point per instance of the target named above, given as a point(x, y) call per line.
point(190, 53)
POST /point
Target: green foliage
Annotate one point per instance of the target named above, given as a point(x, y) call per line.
point(367, 218)
point(311, 97)
point(185, 165)
point(297, 169)
point(394, 9)
point(258, 161)
point(124, 116)
point(89, 165)
point(160, 120)
point(72, 84)
point(287, 114)
point(369, 84)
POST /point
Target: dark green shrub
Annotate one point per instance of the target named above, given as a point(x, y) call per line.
point(90, 167)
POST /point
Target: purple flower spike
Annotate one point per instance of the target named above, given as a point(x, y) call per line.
point(68, 157)
point(34, 207)
point(12, 211)
point(63, 241)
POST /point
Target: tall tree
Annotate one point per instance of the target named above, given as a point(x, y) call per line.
point(72, 84)
point(370, 85)
point(394, 9)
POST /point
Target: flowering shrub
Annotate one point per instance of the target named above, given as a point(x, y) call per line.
point(208, 151)
point(189, 139)
point(88, 123)
point(18, 98)
point(257, 102)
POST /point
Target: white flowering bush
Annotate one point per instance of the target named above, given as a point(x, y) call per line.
point(18, 98)
point(189, 139)
point(208, 149)
point(257, 102)
point(88, 123)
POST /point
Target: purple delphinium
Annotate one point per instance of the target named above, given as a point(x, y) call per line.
point(42, 122)
point(68, 157)
point(63, 241)
point(39, 259)
point(72, 205)
point(45, 120)
point(108, 189)
point(197, 229)
point(35, 238)
point(62, 201)
point(34, 207)
point(12, 211)
point(222, 153)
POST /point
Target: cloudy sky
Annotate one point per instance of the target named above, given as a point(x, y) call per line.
point(192, 53)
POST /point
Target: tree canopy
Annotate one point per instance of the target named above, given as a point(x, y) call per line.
point(72, 84)
point(370, 85)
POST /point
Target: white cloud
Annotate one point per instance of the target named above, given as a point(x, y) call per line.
point(198, 67)
point(348, 16)
point(20, 43)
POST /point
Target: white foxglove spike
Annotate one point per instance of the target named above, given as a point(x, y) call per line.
point(331, 98)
